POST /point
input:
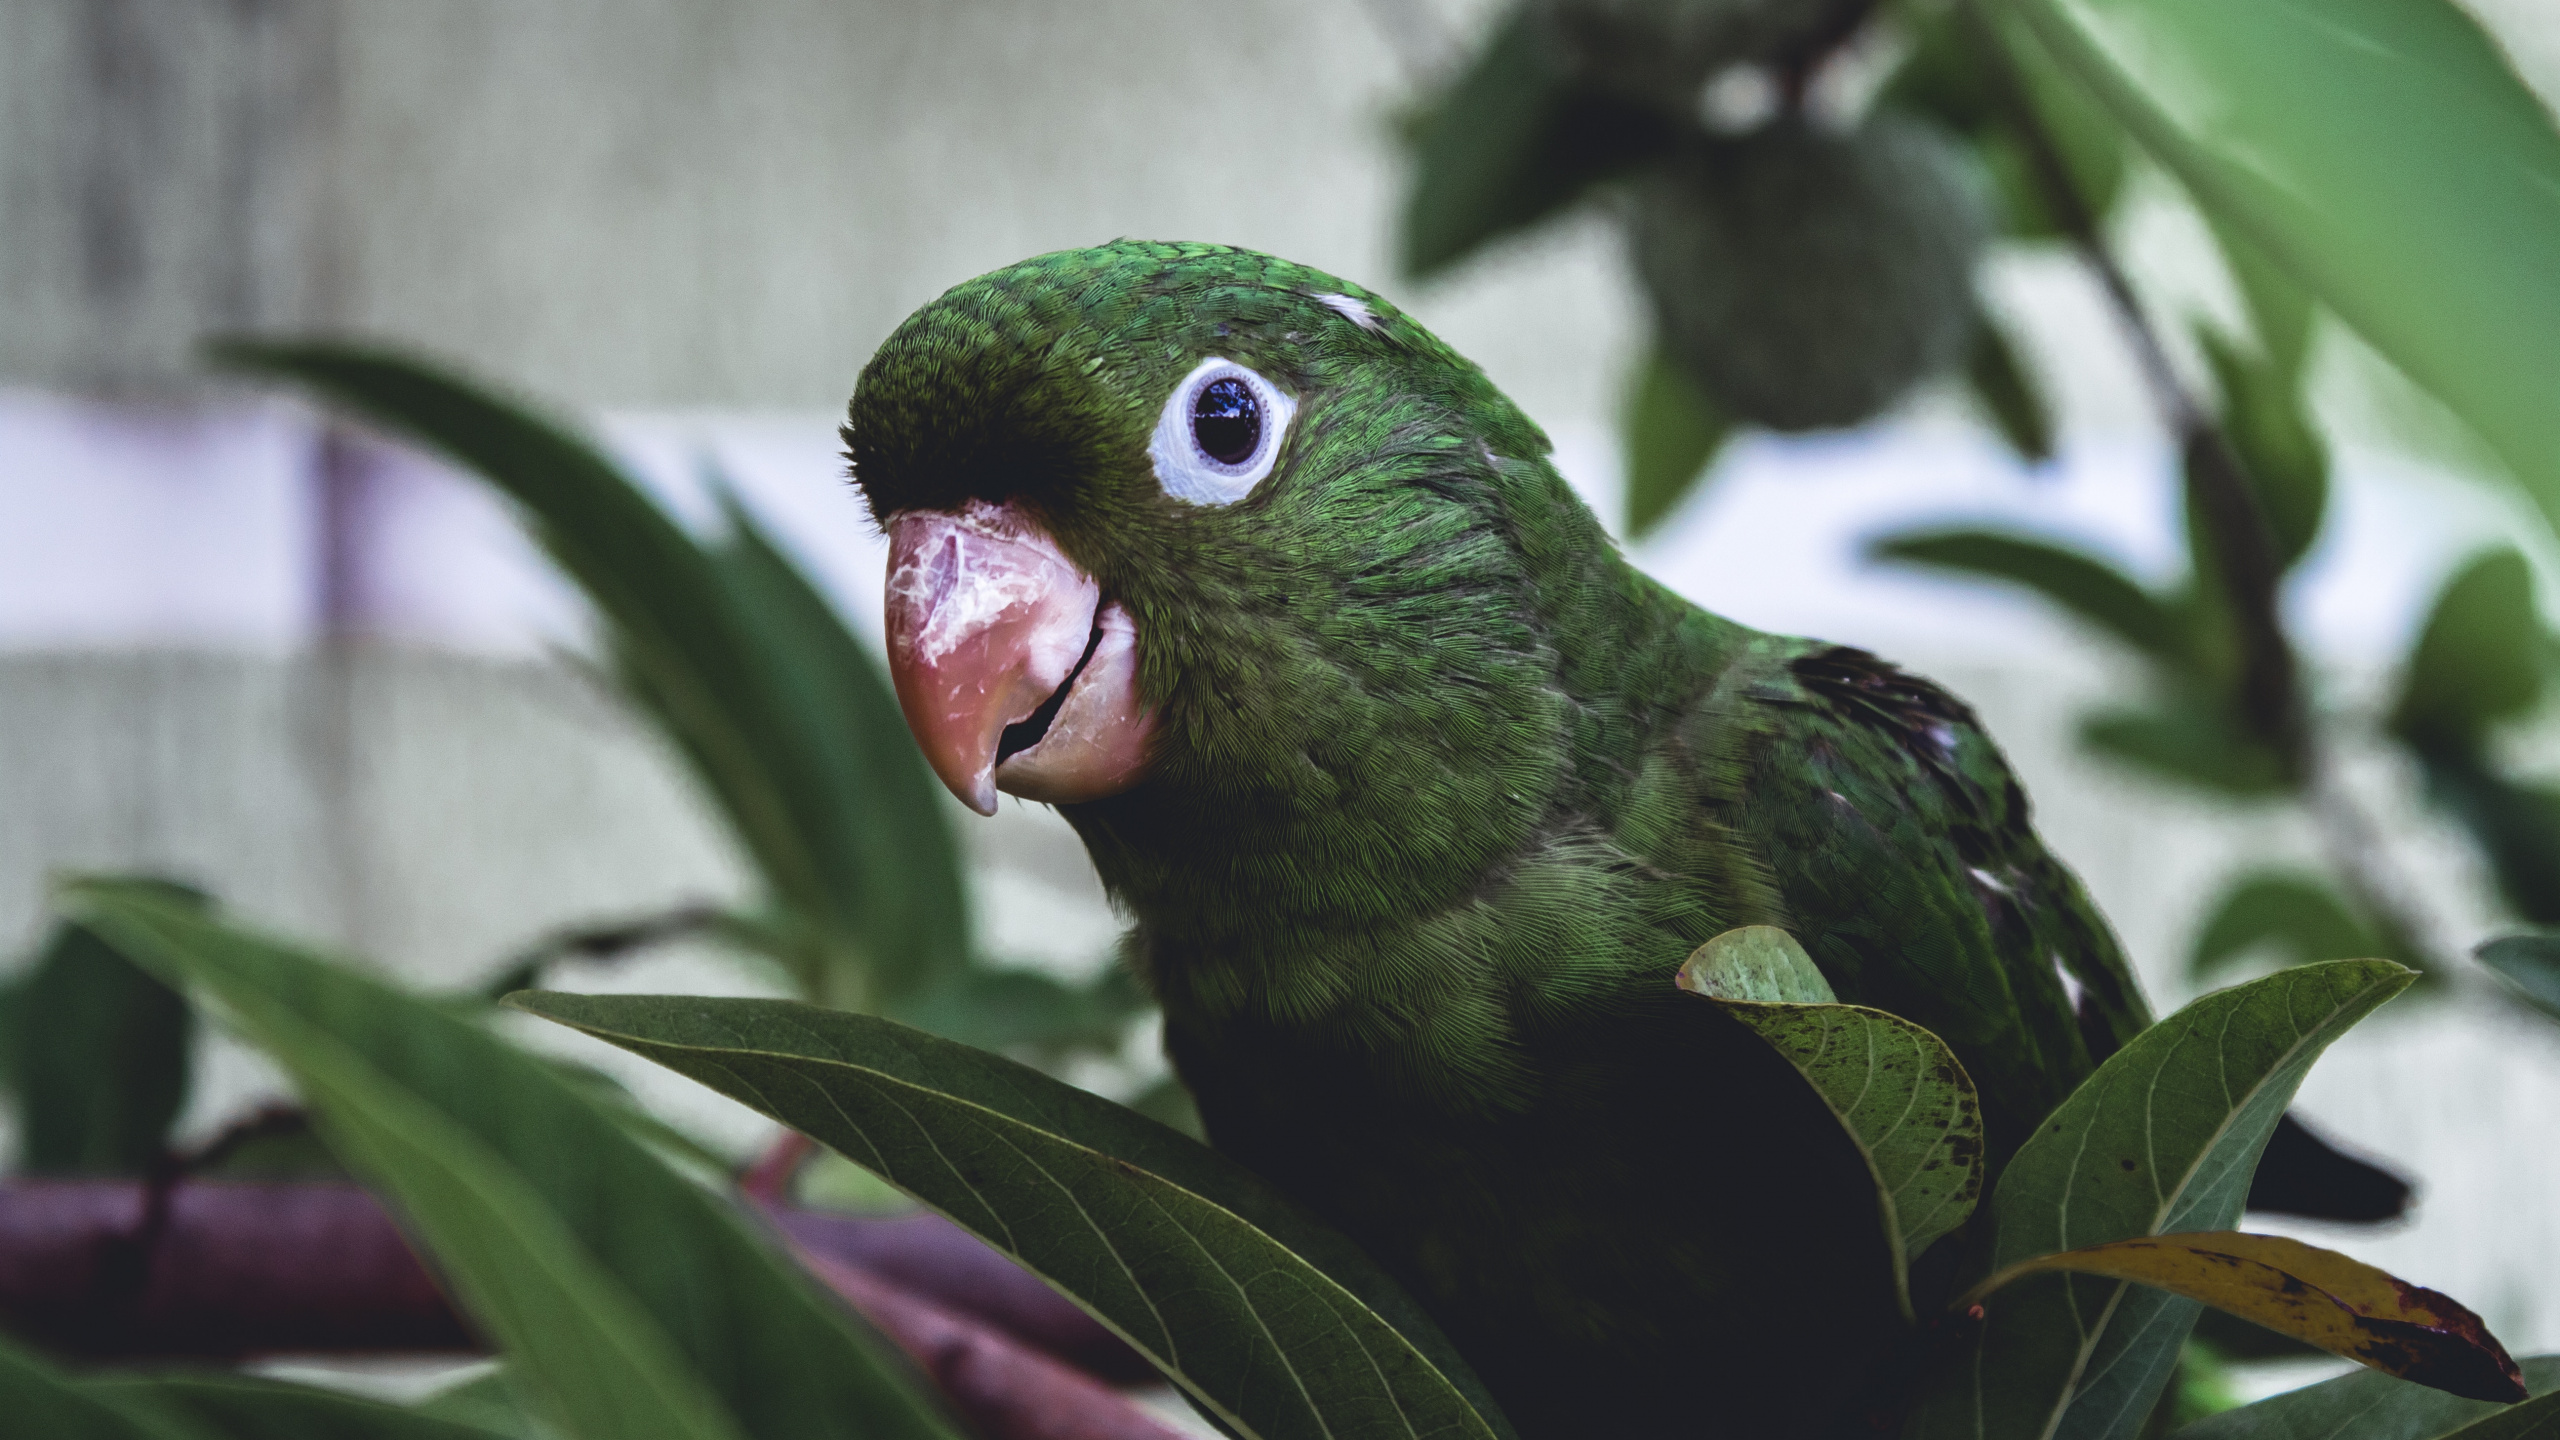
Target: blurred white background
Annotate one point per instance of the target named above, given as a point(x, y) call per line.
point(325, 679)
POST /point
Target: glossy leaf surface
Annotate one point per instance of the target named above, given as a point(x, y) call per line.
point(634, 1305)
point(2317, 1296)
point(2162, 1139)
point(1759, 963)
point(1276, 1324)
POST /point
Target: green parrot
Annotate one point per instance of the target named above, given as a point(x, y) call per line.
point(1418, 794)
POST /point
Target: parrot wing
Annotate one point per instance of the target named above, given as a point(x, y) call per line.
point(1906, 863)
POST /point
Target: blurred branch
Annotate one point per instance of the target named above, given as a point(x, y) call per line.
point(234, 1270)
point(2244, 561)
point(2245, 551)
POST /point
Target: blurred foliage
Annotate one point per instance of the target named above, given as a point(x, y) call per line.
point(785, 718)
point(100, 1055)
point(1808, 263)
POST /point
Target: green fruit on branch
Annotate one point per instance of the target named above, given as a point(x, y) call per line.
point(1809, 278)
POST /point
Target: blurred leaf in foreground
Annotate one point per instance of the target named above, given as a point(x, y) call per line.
point(634, 1305)
point(241, 1407)
point(784, 717)
point(38, 1400)
point(2383, 152)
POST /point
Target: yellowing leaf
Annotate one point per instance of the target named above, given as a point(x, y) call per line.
point(2317, 1296)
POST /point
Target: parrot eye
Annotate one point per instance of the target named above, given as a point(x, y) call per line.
point(1219, 434)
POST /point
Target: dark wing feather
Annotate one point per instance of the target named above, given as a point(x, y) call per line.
point(1905, 858)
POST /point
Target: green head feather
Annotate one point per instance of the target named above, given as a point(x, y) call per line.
point(1361, 664)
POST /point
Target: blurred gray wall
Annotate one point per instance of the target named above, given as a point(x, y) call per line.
point(665, 202)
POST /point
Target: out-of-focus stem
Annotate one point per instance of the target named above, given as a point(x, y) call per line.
point(2244, 545)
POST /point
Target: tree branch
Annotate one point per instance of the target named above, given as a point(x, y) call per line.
point(2243, 561)
point(235, 1270)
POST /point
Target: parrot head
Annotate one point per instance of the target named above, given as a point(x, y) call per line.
point(1195, 523)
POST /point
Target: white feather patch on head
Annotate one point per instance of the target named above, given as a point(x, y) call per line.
point(1354, 310)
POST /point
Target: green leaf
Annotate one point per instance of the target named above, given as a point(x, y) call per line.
point(2531, 963)
point(2162, 1139)
point(1513, 141)
point(40, 1400)
point(2298, 913)
point(1949, 78)
point(2281, 456)
point(1896, 1088)
point(2369, 1405)
point(781, 713)
point(2008, 393)
point(1274, 1324)
point(632, 1303)
point(2189, 744)
point(2280, 310)
point(239, 1407)
point(2382, 152)
point(2481, 657)
point(1031, 1016)
point(103, 1076)
point(1673, 431)
point(2517, 826)
point(488, 1401)
point(2075, 580)
point(1758, 963)
point(2320, 1297)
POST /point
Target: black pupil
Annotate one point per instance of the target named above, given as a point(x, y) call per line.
point(1227, 420)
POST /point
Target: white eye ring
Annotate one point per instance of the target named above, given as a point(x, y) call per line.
point(1186, 470)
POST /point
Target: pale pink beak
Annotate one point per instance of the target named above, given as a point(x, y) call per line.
point(992, 629)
